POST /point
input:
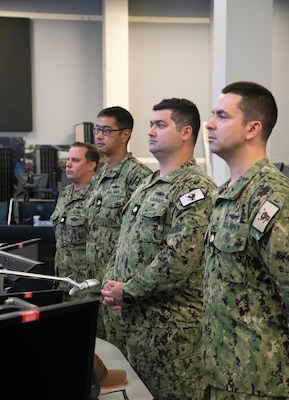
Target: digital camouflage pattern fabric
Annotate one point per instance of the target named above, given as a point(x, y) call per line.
point(70, 221)
point(160, 256)
point(111, 189)
point(246, 298)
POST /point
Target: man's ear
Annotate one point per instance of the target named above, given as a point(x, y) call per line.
point(254, 129)
point(126, 134)
point(92, 165)
point(187, 132)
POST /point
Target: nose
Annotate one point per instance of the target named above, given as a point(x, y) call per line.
point(211, 124)
point(96, 134)
point(68, 162)
point(152, 130)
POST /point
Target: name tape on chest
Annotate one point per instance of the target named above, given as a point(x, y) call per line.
point(264, 216)
point(191, 197)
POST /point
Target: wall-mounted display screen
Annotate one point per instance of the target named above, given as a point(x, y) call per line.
point(15, 72)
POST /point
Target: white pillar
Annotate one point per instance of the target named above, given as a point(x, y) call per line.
point(115, 53)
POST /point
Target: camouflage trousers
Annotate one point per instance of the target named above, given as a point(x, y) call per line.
point(167, 360)
point(114, 328)
point(211, 393)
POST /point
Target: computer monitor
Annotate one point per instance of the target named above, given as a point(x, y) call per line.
point(285, 170)
point(32, 185)
point(27, 209)
point(18, 233)
point(279, 165)
point(15, 283)
point(64, 180)
point(26, 248)
point(39, 298)
point(3, 212)
point(48, 353)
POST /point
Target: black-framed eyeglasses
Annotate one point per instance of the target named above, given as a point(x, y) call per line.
point(105, 130)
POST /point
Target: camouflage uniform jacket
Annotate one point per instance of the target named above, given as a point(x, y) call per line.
point(111, 189)
point(161, 247)
point(71, 226)
point(246, 298)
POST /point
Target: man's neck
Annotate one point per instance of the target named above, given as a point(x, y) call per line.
point(114, 159)
point(239, 167)
point(170, 164)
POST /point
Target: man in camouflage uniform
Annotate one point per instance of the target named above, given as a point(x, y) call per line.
point(156, 273)
point(70, 219)
point(246, 298)
point(111, 189)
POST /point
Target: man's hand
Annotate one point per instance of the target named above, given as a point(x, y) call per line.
point(112, 295)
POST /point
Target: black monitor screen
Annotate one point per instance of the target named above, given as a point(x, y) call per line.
point(17, 233)
point(285, 170)
point(15, 72)
point(30, 185)
point(39, 298)
point(50, 357)
point(3, 213)
point(26, 248)
point(27, 209)
point(15, 262)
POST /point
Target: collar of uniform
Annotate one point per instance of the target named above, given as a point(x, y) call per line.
point(171, 175)
point(76, 193)
point(233, 191)
point(115, 170)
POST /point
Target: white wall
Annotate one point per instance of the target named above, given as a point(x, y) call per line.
point(279, 142)
point(166, 59)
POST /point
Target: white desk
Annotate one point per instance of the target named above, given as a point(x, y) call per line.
point(113, 358)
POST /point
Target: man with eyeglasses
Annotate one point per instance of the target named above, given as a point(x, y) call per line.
point(112, 187)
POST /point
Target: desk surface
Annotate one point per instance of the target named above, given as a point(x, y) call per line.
point(113, 358)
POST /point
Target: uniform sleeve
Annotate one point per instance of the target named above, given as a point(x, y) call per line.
point(109, 273)
point(274, 248)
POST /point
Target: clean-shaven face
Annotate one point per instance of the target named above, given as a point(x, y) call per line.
point(77, 167)
point(164, 137)
point(227, 132)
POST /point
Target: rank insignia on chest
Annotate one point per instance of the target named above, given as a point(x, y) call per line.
point(264, 216)
point(212, 238)
point(191, 197)
point(135, 209)
point(98, 204)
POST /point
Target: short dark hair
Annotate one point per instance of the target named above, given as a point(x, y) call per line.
point(91, 153)
point(184, 113)
point(122, 116)
point(257, 103)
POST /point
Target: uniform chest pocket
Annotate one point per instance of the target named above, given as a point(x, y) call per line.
point(231, 254)
point(75, 221)
point(152, 225)
point(107, 212)
point(230, 241)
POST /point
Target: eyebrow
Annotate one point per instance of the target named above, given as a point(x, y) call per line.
point(157, 121)
point(73, 159)
point(103, 126)
point(219, 112)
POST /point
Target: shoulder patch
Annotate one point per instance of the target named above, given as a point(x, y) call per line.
point(191, 197)
point(264, 216)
